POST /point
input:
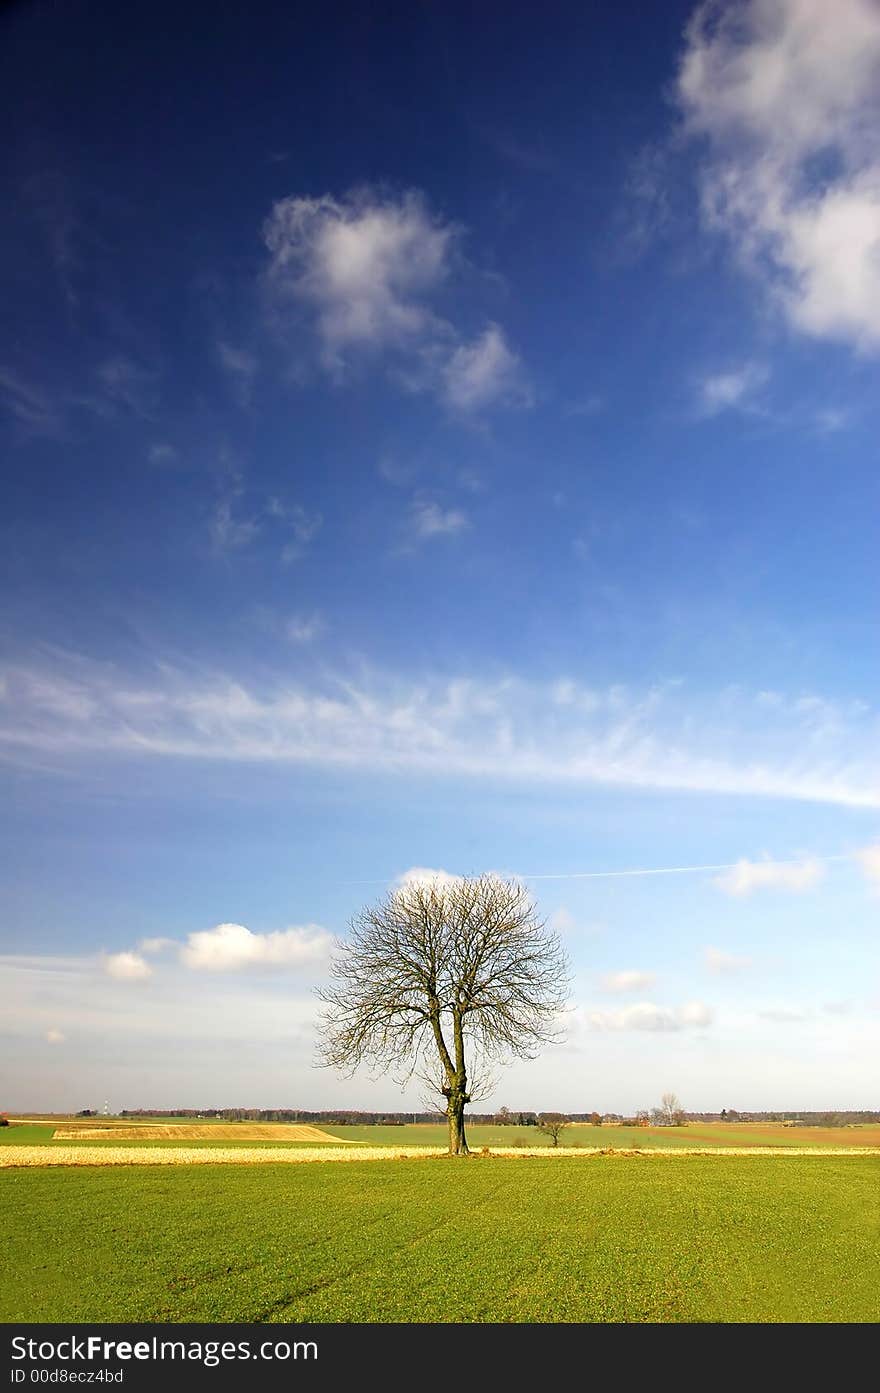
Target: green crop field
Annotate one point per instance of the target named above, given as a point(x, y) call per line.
point(602, 1239)
point(424, 1134)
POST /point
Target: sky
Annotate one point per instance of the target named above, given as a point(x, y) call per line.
point(440, 438)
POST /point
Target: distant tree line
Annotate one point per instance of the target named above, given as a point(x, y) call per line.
point(504, 1117)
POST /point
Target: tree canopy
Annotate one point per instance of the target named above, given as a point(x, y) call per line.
point(445, 979)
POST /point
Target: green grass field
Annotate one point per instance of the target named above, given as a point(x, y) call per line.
point(424, 1134)
point(607, 1239)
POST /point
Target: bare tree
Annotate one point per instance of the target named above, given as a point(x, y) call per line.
point(670, 1112)
point(443, 980)
point(553, 1123)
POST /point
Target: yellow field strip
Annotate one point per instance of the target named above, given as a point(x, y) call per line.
point(13, 1156)
point(249, 1131)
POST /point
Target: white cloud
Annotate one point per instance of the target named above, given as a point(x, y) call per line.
point(303, 526)
point(303, 628)
point(509, 729)
point(127, 967)
point(55, 1037)
point(364, 264)
point(731, 390)
point(869, 861)
point(155, 945)
point(786, 94)
point(646, 1016)
point(185, 1041)
point(123, 384)
point(240, 367)
point(562, 921)
point(747, 876)
point(368, 268)
point(162, 453)
point(233, 529)
point(228, 532)
point(630, 980)
point(783, 1015)
point(717, 961)
point(485, 371)
point(425, 875)
point(231, 947)
point(35, 411)
point(829, 420)
point(428, 519)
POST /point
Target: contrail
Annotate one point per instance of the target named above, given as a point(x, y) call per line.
point(683, 870)
point(652, 870)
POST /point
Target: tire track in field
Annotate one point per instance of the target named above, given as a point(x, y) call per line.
point(290, 1299)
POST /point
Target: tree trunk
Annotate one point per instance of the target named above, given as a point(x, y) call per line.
point(455, 1112)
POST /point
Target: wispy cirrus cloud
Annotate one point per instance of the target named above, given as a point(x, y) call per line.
point(35, 410)
point(237, 519)
point(510, 729)
point(367, 272)
point(785, 95)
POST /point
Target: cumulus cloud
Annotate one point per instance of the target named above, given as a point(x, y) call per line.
point(367, 269)
point(646, 1016)
point(127, 967)
point(717, 961)
point(425, 875)
point(629, 980)
point(748, 876)
point(231, 947)
point(364, 263)
point(785, 95)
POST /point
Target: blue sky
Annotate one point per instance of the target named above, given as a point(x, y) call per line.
point(440, 440)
